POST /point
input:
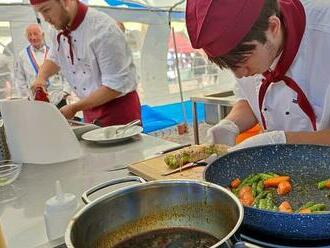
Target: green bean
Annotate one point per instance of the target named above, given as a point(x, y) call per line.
point(264, 176)
point(248, 178)
point(254, 179)
point(262, 204)
point(307, 205)
point(254, 189)
point(259, 197)
point(269, 204)
point(260, 187)
point(322, 184)
point(318, 207)
point(245, 182)
point(269, 201)
point(248, 181)
point(272, 174)
point(269, 195)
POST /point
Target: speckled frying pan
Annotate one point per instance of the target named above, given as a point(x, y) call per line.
point(305, 164)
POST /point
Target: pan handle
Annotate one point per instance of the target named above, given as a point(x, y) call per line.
point(87, 193)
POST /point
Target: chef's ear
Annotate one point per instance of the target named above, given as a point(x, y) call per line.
point(274, 25)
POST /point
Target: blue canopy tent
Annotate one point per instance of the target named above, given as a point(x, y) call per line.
point(128, 4)
point(168, 115)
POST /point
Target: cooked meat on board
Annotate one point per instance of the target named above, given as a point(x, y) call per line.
point(193, 153)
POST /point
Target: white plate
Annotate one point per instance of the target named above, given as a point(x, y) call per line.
point(108, 135)
point(80, 130)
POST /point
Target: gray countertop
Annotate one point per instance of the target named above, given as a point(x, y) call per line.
point(22, 203)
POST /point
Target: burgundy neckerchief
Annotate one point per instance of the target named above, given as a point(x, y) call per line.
point(81, 13)
point(294, 19)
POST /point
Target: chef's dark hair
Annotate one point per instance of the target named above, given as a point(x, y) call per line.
point(257, 33)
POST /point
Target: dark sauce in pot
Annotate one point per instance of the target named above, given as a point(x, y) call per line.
point(170, 238)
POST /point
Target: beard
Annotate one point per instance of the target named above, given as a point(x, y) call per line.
point(64, 20)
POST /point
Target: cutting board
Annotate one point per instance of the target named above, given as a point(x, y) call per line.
point(153, 168)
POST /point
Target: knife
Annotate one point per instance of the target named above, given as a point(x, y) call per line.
point(79, 123)
point(203, 162)
point(187, 166)
point(173, 149)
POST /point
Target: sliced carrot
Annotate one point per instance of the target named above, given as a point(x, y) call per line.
point(243, 191)
point(285, 207)
point(247, 199)
point(327, 185)
point(274, 181)
point(284, 187)
point(305, 211)
point(235, 183)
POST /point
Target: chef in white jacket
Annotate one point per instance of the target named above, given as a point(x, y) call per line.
point(94, 57)
point(27, 66)
point(279, 51)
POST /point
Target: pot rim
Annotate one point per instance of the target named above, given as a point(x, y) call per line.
point(168, 181)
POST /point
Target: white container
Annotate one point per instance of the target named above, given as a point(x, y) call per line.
point(58, 212)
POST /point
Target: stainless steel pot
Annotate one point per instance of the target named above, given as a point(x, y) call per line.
point(155, 205)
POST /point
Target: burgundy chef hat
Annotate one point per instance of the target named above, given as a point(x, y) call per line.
point(35, 2)
point(218, 26)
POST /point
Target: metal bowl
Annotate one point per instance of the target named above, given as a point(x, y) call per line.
point(156, 205)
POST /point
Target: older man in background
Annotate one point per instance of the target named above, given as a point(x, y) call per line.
point(27, 67)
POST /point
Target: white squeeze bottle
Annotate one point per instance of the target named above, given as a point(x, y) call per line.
point(58, 212)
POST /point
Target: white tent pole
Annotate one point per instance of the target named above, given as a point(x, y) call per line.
point(179, 77)
point(177, 66)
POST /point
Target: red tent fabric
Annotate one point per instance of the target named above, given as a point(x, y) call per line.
point(182, 43)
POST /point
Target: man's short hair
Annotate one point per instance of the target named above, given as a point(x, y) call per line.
point(31, 25)
point(239, 54)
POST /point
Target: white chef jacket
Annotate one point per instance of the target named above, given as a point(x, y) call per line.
point(24, 76)
point(101, 56)
point(310, 70)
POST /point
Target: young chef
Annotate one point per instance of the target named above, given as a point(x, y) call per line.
point(279, 52)
point(93, 55)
